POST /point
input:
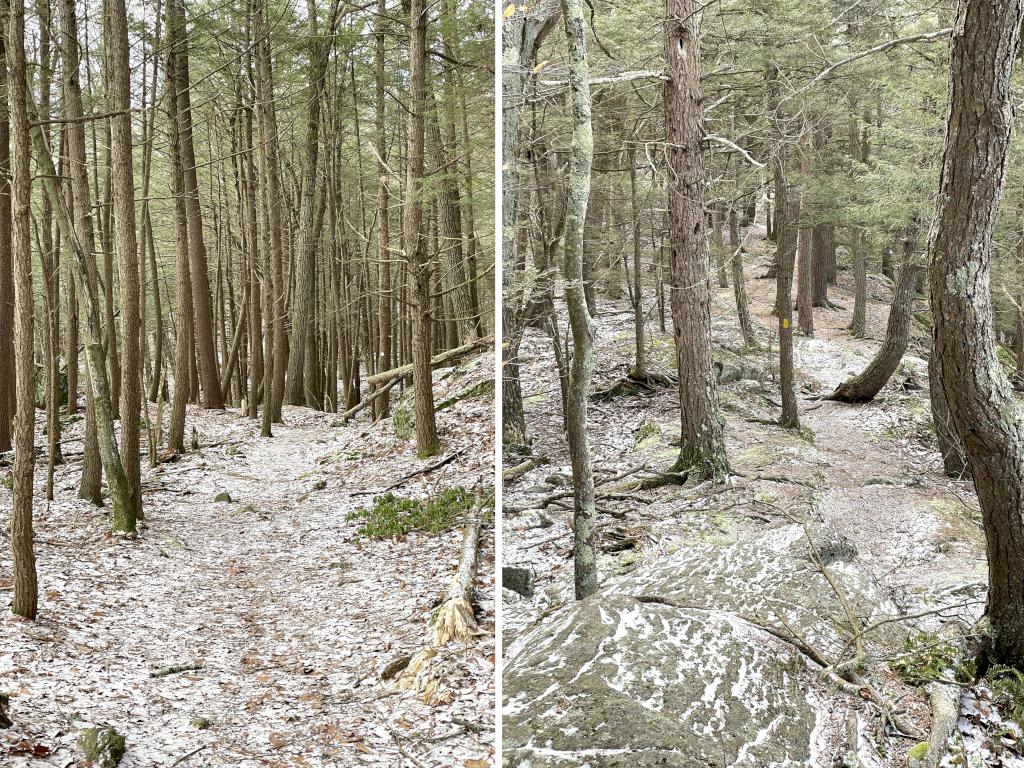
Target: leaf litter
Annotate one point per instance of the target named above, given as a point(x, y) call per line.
point(279, 615)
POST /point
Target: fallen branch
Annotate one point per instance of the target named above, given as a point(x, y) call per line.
point(194, 752)
point(369, 400)
point(175, 669)
point(405, 371)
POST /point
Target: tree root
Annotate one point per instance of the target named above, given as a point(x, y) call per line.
point(632, 384)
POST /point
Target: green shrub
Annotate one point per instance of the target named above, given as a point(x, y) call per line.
point(393, 515)
point(1007, 686)
point(927, 658)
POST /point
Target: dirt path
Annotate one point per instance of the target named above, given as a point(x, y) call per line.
point(291, 614)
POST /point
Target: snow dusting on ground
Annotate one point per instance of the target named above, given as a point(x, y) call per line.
point(288, 614)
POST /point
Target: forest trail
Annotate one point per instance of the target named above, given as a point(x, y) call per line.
point(870, 473)
point(291, 614)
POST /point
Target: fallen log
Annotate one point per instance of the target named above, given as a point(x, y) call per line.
point(455, 620)
point(402, 372)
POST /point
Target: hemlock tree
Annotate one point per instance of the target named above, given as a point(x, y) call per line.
point(702, 445)
point(25, 588)
point(979, 395)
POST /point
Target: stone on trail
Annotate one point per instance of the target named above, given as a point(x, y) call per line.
point(519, 580)
point(669, 666)
point(102, 747)
point(222, 496)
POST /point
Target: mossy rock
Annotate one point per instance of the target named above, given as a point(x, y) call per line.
point(480, 389)
point(201, 723)
point(223, 496)
point(102, 747)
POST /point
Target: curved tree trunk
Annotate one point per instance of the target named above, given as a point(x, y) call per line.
point(863, 387)
point(980, 399)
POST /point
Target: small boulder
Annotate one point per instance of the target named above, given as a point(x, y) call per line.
point(102, 747)
point(530, 519)
point(222, 496)
point(518, 579)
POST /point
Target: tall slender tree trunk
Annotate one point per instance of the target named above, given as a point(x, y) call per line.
point(385, 361)
point(75, 220)
point(119, 92)
point(420, 265)
point(739, 283)
point(183, 357)
point(702, 444)
point(206, 351)
point(25, 587)
point(636, 295)
point(580, 320)
point(981, 402)
point(273, 198)
point(7, 375)
point(785, 238)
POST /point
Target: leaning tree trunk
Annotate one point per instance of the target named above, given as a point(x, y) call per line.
point(980, 399)
point(25, 588)
point(578, 194)
point(702, 444)
point(863, 387)
point(739, 281)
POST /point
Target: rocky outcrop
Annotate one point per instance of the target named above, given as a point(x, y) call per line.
point(674, 664)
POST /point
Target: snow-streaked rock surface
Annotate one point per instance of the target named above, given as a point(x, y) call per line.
point(671, 665)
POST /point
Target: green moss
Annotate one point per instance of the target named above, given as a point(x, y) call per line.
point(918, 751)
point(392, 515)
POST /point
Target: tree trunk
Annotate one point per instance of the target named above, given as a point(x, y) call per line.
point(739, 281)
point(183, 358)
point(980, 399)
point(24, 565)
point(119, 92)
point(385, 360)
point(273, 200)
point(75, 220)
point(785, 237)
point(7, 375)
point(580, 164)
point(702, 445)
point(206, 351)
point(420, 265)
point(863, 387)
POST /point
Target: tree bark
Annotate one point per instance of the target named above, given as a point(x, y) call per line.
point(206, 351)
point(580, 164)
point(420, 265)
point(863, 387)
point(24, 565)
point(702, 444)
point(7, 375)
point(785, 237)
point(980, 398)
point(119, 92)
